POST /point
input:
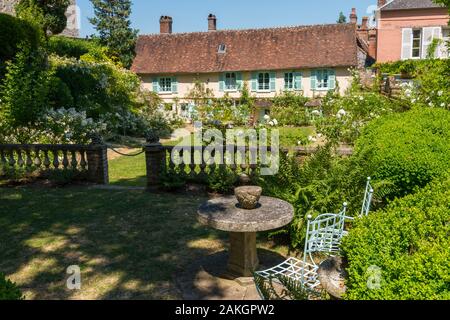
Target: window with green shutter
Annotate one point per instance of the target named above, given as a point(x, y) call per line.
point(264, 81)
point(289, 81)
point(323, 79)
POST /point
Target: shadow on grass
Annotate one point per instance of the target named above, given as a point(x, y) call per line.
point(128, 244)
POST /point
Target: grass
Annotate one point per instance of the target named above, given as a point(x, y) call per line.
point(128, 171)
point(128, 244)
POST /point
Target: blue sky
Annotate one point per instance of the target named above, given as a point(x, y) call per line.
point(191, 15)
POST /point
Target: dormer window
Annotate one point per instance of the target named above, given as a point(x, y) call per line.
point(222, 48)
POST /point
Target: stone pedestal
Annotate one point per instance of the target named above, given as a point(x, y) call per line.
point(243, 257)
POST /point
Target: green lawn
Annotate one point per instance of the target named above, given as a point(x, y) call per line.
point(129, 244)
point(128, 171)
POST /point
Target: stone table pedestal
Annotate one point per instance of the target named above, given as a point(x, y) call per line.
point(225, 214)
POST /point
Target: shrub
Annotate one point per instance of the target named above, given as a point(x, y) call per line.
point(25, 90)
point(408, 149)
point(345, 117)
point(222, 180)
point(289, 109)
point(8, 290)
point(97, 88)
point(406, 244)
point(71, 47)
point(15, 32)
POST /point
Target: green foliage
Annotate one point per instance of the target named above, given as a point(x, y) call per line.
point(222, 180)
point(345, 117)
point(8, 290)
point(25, 90)
point(97, 88)
point(408, 149)
point(172, 179)
point(408, 243)
point(15, 32)
point(49, 14)
point(71, 47)
point(289, 109)
point(342, 18)
point(112, 22)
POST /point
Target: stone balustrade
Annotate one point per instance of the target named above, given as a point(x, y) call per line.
point(91, 159)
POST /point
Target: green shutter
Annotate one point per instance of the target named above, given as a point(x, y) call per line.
point(239, 81)
point(221, 82)
point(254, 81)
point(313, 79)
point(332, 79)
point(174, 85)
point(297, 81)
point(273, 78)
point(155, 84)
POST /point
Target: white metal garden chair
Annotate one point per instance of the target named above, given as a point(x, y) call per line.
point(367, 202)
point(323, 235)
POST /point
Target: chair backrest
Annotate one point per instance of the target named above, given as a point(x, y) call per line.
point(324, 234)
point(367, 202)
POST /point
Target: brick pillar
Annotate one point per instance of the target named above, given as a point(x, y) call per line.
point(155, 163)
point(97, 159)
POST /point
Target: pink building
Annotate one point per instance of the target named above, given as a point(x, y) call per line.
point(406, 28)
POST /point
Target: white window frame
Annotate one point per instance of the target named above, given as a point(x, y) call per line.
point(322, 80)
point(289, 81)
point(229, 85)
point(165, 85)
point(261, 86)
point(420, 43)
point(446, 44)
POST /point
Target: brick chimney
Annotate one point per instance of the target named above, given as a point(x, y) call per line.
point(212, 22)
point(165, 24)
point(353, 16)
point(365, 23)
point(373, 43)
point(381, 3)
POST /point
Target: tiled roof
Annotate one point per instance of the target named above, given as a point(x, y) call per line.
point(410, 4)
point(331, 45)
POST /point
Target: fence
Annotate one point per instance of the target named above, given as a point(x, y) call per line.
point(89, 159)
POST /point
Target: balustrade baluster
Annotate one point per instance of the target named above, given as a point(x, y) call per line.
point(3, 160)
point(29, 161)
point(73, 162)
point(37, 158)
point(65, 161)
point(20, 161)
point(55, 158)
point(12, 161)
point(83, 162)
point(47, 162)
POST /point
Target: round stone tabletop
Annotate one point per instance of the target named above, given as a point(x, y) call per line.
point(225, 214)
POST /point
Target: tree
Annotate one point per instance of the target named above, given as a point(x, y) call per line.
point(112, 22)
point(342, 18)
point(50, 15)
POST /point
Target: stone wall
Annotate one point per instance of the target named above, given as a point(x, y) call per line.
point(72, 30)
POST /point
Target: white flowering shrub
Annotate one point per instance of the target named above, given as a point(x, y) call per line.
point(345, 117)
point(62, 126)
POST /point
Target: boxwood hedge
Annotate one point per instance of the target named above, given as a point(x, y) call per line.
point(403, 251)
point(408, 150)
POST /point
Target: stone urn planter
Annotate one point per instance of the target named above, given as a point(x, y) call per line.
point(248, 196)
point(332, 277)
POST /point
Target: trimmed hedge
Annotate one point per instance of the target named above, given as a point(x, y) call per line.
point(71, 47)
point(407, 150)
point(8, 290)
point(403, 251)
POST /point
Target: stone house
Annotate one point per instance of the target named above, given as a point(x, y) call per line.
point(406, 28)
point(311, 60)
point(72, 29)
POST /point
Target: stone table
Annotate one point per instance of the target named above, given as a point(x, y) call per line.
point(225, 214)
